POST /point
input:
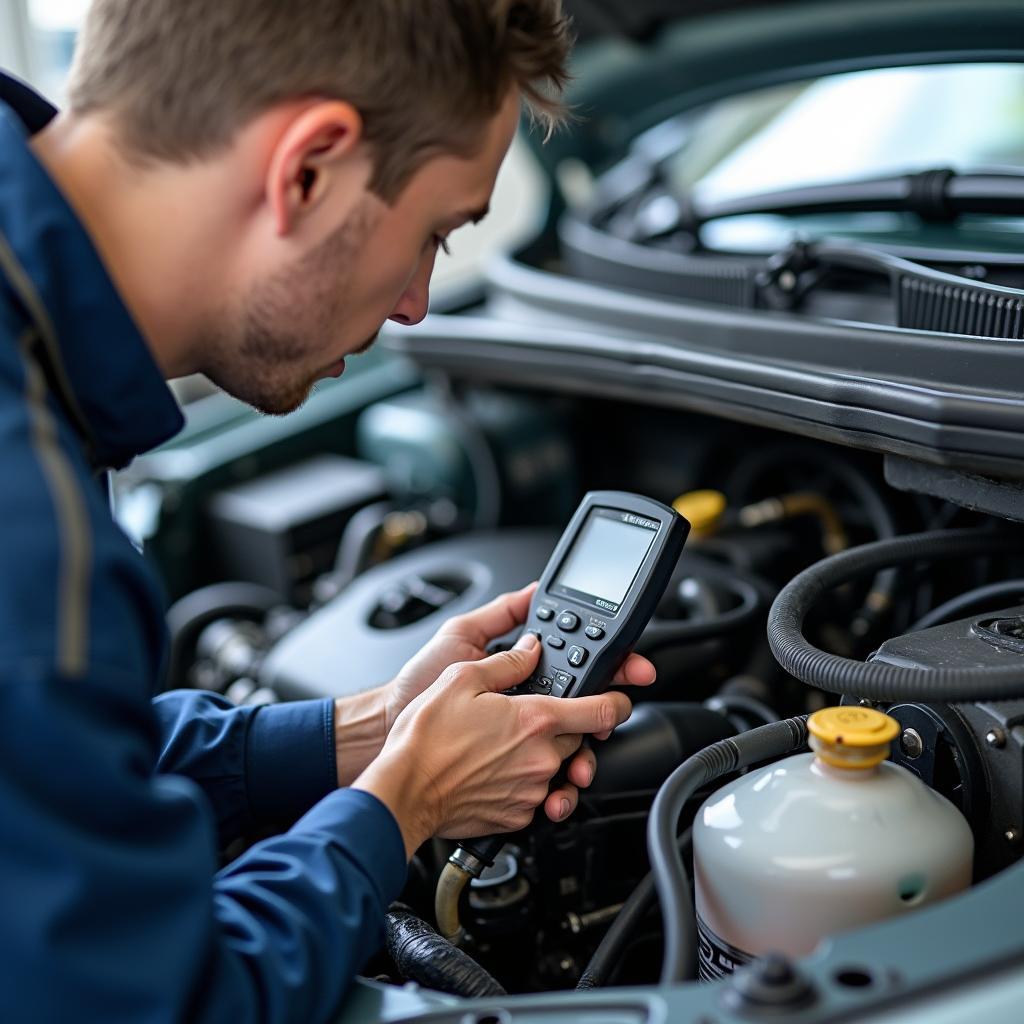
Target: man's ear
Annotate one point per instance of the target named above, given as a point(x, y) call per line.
point(316, 149)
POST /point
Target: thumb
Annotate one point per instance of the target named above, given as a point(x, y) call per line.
point(509, 668)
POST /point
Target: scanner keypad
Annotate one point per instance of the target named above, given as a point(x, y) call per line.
point(555, 673)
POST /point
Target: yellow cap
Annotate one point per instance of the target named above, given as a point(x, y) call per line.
point(852, 737)
point(702, 509)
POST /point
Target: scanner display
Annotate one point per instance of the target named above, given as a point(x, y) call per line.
point(606, 557)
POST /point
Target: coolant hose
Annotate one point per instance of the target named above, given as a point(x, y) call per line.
point(423, 956)
point(762, 744)
point(454, 878)
point(878, 681)
point(609, 952)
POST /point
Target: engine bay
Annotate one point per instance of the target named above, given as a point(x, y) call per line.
point(497, 472)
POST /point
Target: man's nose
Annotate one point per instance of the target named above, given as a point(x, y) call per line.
point(412, 306)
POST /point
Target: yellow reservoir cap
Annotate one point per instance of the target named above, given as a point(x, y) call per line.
point(851, 737)
point(702, 509)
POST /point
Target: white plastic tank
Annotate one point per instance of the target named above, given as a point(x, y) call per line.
point(820, 843)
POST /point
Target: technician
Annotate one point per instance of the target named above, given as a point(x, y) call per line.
point(245, 189)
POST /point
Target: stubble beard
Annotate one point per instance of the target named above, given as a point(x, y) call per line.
point(284, 323)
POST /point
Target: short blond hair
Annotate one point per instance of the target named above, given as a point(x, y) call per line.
point(180, 77)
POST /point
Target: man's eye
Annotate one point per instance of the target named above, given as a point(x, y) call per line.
point(440, 242)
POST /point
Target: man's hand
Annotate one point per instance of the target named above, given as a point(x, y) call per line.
point(363, 721)
point(463, 759)
point(465, 638)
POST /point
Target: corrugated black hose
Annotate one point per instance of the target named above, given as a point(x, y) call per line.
point(429, 959)
point(875, 680)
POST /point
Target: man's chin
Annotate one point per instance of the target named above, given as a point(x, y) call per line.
point(279, 403)
point(366, 344)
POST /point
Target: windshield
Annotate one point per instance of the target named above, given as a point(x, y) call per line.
point(859, 125)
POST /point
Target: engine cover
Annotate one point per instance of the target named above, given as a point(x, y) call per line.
point(357, 640)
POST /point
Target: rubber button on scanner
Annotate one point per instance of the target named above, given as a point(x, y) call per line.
point(576, 656)
point(567, 622)
point(556, 641)
point(560, 682)
point(594, 632)
point(545, 614)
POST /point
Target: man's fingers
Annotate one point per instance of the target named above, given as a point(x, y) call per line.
point(508, 668)
point(590, 714)
point(496, 618)
point(636, 670)
point(561, 802)
point(582, 768)
point(568, 744)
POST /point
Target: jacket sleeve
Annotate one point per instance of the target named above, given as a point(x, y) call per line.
point(258, 766)
point(113, 906)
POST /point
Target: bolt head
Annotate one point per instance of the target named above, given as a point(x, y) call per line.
point(911, 743)
point(995, 738)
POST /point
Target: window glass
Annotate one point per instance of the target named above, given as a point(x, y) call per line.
point(53, 27)
point(859, 125)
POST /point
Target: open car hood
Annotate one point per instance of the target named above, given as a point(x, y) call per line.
point(945, 392)
point(640, 62)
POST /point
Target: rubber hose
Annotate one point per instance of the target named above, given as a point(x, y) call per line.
point(856, 482)
point(423, 956)
point(446, 901)
point(963, 604)
point(613, 945)
point(662, 633)
point(762, 744)
point(877, 681)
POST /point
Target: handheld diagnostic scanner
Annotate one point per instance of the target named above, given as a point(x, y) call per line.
point(599, 590)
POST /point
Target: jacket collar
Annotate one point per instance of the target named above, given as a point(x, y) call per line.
point(96, 358)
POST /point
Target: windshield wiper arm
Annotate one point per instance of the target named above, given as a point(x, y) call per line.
point(935, 195)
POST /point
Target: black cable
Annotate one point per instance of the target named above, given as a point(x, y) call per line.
point(875, 680)
point(609, 952)
point(423, 956)
point(762, 744)
point(978, 599)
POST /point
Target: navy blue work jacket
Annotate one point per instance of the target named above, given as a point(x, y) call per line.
point(113, 805)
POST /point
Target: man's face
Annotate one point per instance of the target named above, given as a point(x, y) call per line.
point(294, 325)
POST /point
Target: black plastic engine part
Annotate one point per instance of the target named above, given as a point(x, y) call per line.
point(283, 529)
point(971, 753)
point(642, 752)
point(188, 617)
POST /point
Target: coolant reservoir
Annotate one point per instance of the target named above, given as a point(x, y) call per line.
point(819, 843)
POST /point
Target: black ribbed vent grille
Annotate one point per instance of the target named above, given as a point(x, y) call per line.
point(706, 282)
point(953, 309)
